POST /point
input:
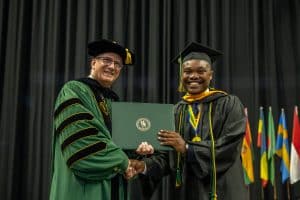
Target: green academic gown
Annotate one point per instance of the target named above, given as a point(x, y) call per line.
point(85, 159)
point(195, 167)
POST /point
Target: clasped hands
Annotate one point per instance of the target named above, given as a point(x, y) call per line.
point(165, 137)
point(138, 166)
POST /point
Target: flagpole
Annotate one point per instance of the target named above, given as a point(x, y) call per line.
point(288, 189)
point(248, 191)
point(262, 193)
point(275, 190)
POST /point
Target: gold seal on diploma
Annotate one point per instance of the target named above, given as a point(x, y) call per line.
point(143, 124)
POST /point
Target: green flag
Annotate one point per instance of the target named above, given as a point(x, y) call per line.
point(271, 146)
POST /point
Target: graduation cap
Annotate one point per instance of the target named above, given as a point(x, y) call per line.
point(197, 51)
point(103, 46)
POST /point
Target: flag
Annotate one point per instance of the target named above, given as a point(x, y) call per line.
point(261, 142)
point(295, 149)
point(271, 146)
point(282, 147)
point(247, 154)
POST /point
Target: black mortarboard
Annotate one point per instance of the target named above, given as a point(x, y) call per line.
point(102, 46)
point(197, 51)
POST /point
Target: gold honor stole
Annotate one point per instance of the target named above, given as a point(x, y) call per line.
point(190, 98)
point(194, 120)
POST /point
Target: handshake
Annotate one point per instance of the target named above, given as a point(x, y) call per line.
point(138, 166)
point(165, 137)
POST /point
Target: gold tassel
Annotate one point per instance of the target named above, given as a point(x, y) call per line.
point(180, 87)
point(128, 59)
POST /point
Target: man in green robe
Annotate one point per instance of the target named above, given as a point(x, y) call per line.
point(210, 125)
point(86, 164)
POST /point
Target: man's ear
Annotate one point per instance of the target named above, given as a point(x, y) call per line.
point(93, 62)
point(211, 74)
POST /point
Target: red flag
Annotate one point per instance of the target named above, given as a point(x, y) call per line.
point(247, 155)
point(295, 149)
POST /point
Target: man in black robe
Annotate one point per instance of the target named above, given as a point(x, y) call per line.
point(210, 125)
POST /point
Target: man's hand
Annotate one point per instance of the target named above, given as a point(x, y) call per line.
point(137, 165)
point(134, 167)
point(145, 149)
point(130, 171)
point(173, 139)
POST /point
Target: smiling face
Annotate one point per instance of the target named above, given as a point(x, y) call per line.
point(106, 68)
point(196, 75)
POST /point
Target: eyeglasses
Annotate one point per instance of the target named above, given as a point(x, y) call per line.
point(109, 61)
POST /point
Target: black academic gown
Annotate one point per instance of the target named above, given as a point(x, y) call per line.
point(228, 125)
